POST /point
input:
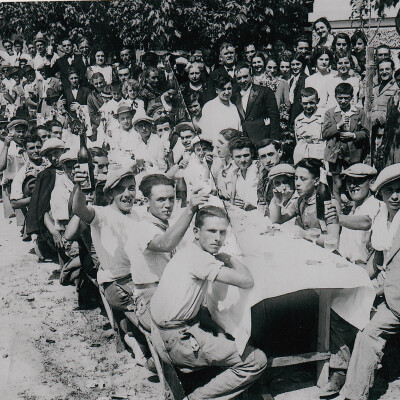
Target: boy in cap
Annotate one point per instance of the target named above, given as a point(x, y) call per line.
point(370, 342)
point(111, 226)
point(355, 236)
point(182, 326)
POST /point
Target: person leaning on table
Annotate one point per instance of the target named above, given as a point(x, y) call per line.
point(370, 342)
point(182, 327)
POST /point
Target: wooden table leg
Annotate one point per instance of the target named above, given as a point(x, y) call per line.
point(324, 319)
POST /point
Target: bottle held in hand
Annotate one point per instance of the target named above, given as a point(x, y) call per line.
point(86, 163)
point(324, 196)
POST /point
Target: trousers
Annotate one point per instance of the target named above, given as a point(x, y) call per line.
point(368, 353)
point(192, 348)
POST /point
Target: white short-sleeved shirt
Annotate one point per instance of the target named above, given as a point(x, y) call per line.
point(29, 168)
point(353, 244)
point(183, 285)
point(60, 196)
point(110, 230)
point(147, 265)
point(16, 159)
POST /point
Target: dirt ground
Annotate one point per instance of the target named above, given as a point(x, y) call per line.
point(51, 351)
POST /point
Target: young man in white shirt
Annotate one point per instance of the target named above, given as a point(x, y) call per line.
point(182, 328)
point(157, 240)
point(245, 177)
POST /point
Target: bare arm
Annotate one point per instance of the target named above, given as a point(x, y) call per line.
point(74, 228)
point(21, 203)
point(79, 207)
point(355, 222)
point(234, 272)
point(4, 154)
point(174, 234)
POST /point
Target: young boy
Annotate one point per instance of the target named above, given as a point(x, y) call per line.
point(346, 134)
point(308, 128)
point(157, 240)
point(176, 309)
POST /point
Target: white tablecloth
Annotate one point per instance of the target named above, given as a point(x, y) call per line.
point(280, 264)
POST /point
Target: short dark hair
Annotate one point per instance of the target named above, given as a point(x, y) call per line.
point(222, 80)
point(7, 41)
point(205, 145)
point(344, 88)
point(304, 39)
point(72, 70)
point(148, 70)
point(163, 120)
point(348, 55)
point(31, 138)
point(266, 142)
point(312, 165)
point(318, 52)
point(241, 65)
point(225, 45)
point(260, 55)
point(149, 181)
point(397, 73)
point(383, 46)
point(150, 59)
point(385, 60)
point(308, 92)
point(341, 35)
point(98, 152)
point(300, 57)
point(52, 123)
point(207, 212)
point(40, 128)
point(18, 42)
point(97, 75)
point(230, 133)
point(241, 142)
point(324, 21)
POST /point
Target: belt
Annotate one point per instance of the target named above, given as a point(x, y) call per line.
point(146, 285)
point(119, 280)
point(175, 324)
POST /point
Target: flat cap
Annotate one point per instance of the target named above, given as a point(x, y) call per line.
point(281, 169)
point(388, 174)
point(16, 122)
point(51, 144)
point(123, 108)
point(115, 176)
point(143, 119)
point(360, 170)
point(69, 155)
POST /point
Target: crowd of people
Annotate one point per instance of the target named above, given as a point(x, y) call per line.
point(173, 140)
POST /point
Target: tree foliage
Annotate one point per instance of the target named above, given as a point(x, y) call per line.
point(159, 24)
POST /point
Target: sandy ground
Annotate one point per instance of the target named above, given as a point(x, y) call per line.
point(50, 351)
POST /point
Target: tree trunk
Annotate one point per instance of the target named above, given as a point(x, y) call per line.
point(370, 70)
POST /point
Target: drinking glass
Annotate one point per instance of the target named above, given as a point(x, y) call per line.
point(330, 243)
point(315, 233)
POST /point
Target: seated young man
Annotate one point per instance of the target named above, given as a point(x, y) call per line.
point(243, 192)
point(308, 128)
point(371, 341)
point(355, 236)
point(32, 167)
point(111, 226)
point(157, 240)
point(180, 319)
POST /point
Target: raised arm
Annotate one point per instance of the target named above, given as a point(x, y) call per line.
point(168, 241)
point(79, 207)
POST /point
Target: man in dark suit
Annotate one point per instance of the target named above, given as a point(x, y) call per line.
point(257, 107)
point(83, 60)
point(370, 342)
point(227, 58)
point(296, 85)
point(128, 59)
point(75, 94)
point(64, 63)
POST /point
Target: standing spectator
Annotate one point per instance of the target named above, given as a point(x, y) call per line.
point(209, 61)
point(303, 46)
point(227, 58)
point(151, 87)
point(96, 99)
point(8, 55)
point(358, 48)
point(257, 107)
point(284, 68)
point(249, 52)
point(296, 85)
point(321, 80)
point(100, 66)
point(194, 84)
point(83, 60)
point(42, 57)
point(75, 94)
point(128, 58)
point(342, 46)
point(64, 63)
point(323, 29)
point(220, 113)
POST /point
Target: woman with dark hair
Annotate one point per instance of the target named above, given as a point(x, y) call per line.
point(358, 49)
point(285, 72)
point(195, 84)
point(100, 66)
point(307, 177)
point(323, 29)
point(220, 113)
point(321, 80)
point(342, 47)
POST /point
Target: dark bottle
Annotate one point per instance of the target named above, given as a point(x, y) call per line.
point(86, 163)
point(323, 194)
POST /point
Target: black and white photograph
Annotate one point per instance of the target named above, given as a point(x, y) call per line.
point(200, 200)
